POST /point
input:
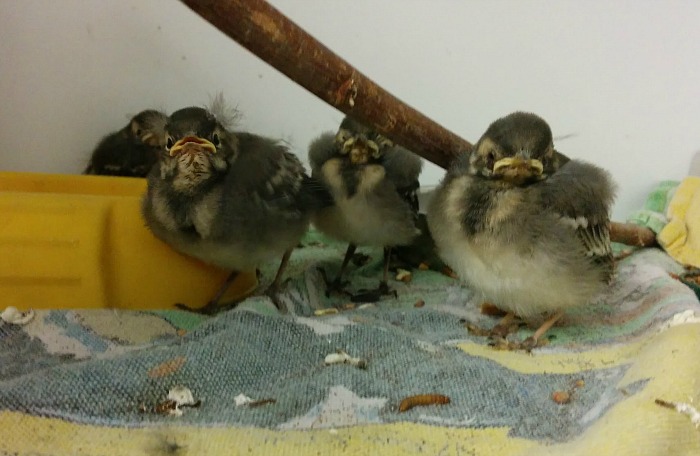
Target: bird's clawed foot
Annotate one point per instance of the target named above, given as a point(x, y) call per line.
point(383, 288)
point(531, 343)
point(498, 335)
point(509, 324)
point(375, 294)
point(527, 345)
point(211, 308)
point(333, 287)
point(338, 286)
point(536, 340)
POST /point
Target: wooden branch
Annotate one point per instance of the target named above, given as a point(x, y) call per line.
point(630, 234)
point(271, 36)
point(267, 33)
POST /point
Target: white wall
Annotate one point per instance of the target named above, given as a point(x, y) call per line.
point(622, 76)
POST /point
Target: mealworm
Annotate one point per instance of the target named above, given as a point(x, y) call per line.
point(328, 311)
point(421, 400)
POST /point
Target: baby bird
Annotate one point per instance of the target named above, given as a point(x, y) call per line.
point(529, 234)
point(232, 199)
point(373, 184)
point(131, 151)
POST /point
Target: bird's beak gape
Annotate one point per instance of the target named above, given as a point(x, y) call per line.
point(517, 169)
point(192, 144)
point(361, 150)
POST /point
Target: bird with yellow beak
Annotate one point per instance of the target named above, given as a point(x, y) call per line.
point(524, 228)
point(374, 186)
point(229, 198)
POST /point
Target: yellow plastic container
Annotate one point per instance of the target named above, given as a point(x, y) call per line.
point(73, 241)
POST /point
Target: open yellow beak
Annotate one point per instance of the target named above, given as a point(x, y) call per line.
point(360, 150)
point(532, 167)
point(192, 144)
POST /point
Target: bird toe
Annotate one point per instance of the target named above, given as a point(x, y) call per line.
point(209, 308)
point(375, 294)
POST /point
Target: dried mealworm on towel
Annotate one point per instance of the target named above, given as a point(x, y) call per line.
point(422, 400)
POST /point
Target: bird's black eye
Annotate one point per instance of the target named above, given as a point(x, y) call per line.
point(215, 139)
point(169, 143)
point(138, 132)
point(490, 160)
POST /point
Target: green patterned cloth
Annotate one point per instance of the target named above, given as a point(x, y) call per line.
point(653, 214)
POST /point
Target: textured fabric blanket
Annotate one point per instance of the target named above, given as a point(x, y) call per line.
point(672, 211)
point(97, 382)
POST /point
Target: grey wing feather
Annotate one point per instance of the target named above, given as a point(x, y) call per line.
point(278, 177)
point(402, 168)
point(582, 195)
point(315, 195)
point(266, 176)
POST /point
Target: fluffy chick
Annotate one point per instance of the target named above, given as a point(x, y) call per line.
point(131, 151)
point(529, 234)
point(232, 199)
point(373, 184)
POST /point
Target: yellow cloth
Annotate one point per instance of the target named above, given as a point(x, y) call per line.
point(681, 236)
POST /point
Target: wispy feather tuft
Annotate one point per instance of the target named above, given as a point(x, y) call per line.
point(227, 115)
